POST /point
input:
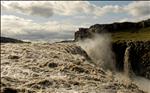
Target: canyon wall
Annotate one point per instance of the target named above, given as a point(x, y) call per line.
point(136, 52)
point(138, 56)
point(83, 33)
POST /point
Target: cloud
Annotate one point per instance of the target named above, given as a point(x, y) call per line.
point(21, 28)
point(46, 36)
point(69, 8)
point(12, 25)
point(28, 7)
point(134, 19)
point(49, 8)
point(80, 13)
point(100, 11)
point(138, 8)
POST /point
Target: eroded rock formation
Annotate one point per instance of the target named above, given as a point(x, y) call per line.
point(139, 52)
point(9, 40)
point(139, 56)
point(83, 33)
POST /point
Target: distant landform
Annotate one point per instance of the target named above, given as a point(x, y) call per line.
point(120, 31)
point(10, 40)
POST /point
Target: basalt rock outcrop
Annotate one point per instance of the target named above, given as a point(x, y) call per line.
point(9, 40)
point(139, 53)
point(138, 56)
point(83, 33)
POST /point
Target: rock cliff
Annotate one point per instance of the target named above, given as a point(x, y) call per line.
point(139, 52)
point(9, 40)
point(139, 56)
point(112, 28)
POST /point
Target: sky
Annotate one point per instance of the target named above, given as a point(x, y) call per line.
point(58, 20)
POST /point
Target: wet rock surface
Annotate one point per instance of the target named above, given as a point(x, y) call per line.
point(55, 68)
point(139, 56)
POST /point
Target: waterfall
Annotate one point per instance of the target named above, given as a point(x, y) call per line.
point(127, 63)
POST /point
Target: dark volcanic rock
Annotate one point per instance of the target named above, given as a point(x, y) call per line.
point(10, 40)
point(83, 33)
point(9, 90)
point(139, 56)
point(119, 50)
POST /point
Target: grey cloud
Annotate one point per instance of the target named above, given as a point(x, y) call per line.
point(66, 8)
point(49, 8)
point(140, 8)
point(16, 6)
point(29, 8)
point(29, 30)
point(46, 36)
point(42, 11)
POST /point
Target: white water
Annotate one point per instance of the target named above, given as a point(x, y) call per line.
point(127, 63)
point(99, 49)
point(143, 83)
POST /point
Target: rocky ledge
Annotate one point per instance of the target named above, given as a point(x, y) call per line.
point(136, 52)
point(138, 56)
point(83, 33)
point(9, 40)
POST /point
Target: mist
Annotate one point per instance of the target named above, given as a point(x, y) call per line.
point(99, 49)
point(142, 83)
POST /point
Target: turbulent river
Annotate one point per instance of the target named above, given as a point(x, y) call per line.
point(58, 68)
